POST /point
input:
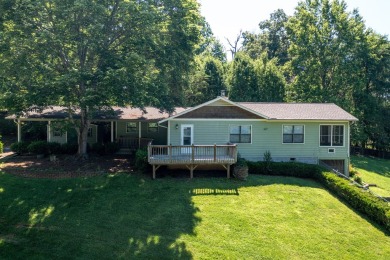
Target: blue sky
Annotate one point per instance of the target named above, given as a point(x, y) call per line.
point(227, 17)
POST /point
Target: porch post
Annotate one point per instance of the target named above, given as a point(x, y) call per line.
point(19, 131)
point(139, 135)
point(49, 131)
point(112, 131)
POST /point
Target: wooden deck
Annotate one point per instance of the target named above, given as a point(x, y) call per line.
point(192, 156)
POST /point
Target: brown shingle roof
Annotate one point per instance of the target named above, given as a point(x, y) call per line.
point(300, 111)
point(117, 113)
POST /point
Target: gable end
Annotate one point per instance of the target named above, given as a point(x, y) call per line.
point(220, 112)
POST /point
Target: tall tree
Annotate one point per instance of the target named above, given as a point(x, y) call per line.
point(206, 81)
point(209, 44)
point(270, 80)
point(242, 79)
point(87, 55)
point(272, 39)
point(334, 58)
point(322, 36)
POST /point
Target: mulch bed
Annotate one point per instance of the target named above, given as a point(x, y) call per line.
point(65, 166)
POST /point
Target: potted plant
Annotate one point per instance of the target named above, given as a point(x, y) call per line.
point(240, 168)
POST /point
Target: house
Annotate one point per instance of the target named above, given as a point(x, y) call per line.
point(215, 131)
point(133, 128)
point(291, 132)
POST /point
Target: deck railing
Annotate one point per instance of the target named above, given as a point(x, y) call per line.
point(133, 143)
point(192, 154)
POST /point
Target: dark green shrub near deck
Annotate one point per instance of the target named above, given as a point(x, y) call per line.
point(361, 200)
point(141, 160)
point(291, 169)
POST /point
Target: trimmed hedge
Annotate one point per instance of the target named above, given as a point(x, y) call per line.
point(19, 147)
point(38, 147)
point(361, 200)
point(292, 169)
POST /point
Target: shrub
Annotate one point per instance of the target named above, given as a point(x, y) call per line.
point(293, 169)
point(98, 148)
point(111, 148)
point(141, 160)
point(359, 199)
point(1, 146)
point(38, 147)
point(267, 158)
point(358, 179)
point(240, 170)
point(19, 147)
point(69, 148)
point(54, 148)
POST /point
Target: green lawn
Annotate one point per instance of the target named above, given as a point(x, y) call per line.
point(131, 216)
point(374, 171)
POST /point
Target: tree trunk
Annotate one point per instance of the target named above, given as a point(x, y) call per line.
point(82, 134)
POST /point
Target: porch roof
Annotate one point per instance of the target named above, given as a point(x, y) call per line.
point(115, 113)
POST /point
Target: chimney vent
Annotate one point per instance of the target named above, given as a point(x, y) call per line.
point(222, 93)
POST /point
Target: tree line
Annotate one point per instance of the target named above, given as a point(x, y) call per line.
point(322, 53)
point(91, 55)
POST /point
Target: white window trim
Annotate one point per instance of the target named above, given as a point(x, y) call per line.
point(192, 133)
point(331, 136)
point(158, 128)
point(130, 132)
point(304, 133)
point(240, 125)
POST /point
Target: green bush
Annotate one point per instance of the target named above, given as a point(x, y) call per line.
point(19, 147)
point(111, 148)
point(54, 148)
point(292, 169)
point(1, 146)
point(141, 160)
point(98, 148)
point(358, 179)
point(359, 199)
point(38, 147)
point(69, 148)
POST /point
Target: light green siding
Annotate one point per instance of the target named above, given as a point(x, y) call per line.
point(266, 135)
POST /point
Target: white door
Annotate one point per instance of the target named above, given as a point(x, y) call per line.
point(187, 137)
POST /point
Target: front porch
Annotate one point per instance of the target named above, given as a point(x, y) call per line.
point(192, 156)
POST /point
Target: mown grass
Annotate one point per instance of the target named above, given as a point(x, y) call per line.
point(374, 171)
point(131, 216)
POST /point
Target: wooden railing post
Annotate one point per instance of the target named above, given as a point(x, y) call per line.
point(149, 152)
point(215, 152)
point(193, 152)
point(170, 153)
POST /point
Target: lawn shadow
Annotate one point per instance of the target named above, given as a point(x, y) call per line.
point(115, 216)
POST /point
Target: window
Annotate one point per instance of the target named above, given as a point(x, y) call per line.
point(240, 134)
point(293, 134)
point(331, 135)
point(90, 133)
point(57, 132)
point(131, 127)
point(153, 127)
